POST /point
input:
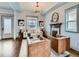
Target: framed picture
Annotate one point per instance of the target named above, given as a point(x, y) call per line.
point(41, 23)
point(20, 22)
point(55, 17)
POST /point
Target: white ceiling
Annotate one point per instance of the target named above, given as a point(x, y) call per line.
point(43, 6)
point(28, 6)
point(4, 5)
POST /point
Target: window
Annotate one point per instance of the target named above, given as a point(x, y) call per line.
point(32, 25)
point(72, 19)
point(7, 25)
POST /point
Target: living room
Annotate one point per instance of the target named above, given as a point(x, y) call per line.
point(39, 29)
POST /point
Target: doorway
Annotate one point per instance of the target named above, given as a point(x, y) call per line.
point(7, 27)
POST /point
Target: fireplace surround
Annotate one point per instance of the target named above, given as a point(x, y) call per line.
point(55, 28)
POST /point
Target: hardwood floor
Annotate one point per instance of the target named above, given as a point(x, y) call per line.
point(73, 54)
point(10, 48)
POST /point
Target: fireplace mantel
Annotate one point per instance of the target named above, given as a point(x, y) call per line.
point(55, 25)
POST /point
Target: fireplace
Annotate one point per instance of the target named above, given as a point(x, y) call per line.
point(55, 29)
point(54, 33)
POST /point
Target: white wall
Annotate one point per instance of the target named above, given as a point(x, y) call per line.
point(74, 37)
point(18, 15)
point(23, 15)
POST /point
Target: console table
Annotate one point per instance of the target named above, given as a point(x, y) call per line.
point(60, 43)
point(39, 48)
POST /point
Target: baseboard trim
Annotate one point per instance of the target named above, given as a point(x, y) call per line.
point(7, 38)
point(11, 38)
point(77, 52)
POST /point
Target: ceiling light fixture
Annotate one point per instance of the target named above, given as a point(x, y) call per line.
point(37, 7)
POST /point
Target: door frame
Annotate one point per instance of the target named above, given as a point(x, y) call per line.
point(2, 24)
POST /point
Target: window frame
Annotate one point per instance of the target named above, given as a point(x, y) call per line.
point(67, 11)
point(36, 23)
